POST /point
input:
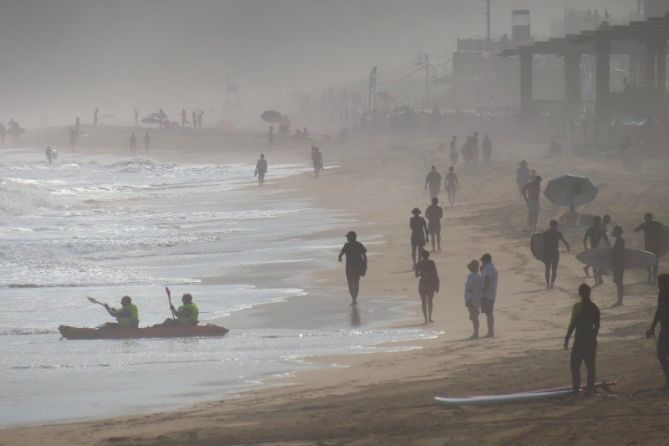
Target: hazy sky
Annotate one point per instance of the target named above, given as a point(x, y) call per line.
point(70, 54)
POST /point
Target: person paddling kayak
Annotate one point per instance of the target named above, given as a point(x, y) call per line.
point(126, 317)
point(186, 314)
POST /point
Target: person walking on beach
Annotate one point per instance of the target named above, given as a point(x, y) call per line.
point(473, 289)
point(261, 169)
point(595, 234)
point(454, 155)
point(531, 194)
point(522, 176)
point(551, 241)
point(428, 283)
point(662, 317)
point(133, 143)
point(652, 234)
point(451, 184)
point(433, 181)
point(585, 323)
point(434, 213)
point(486, 148)
point(488, 292)
point(95, 117)
point(316, 159)
point(419, 234)
point(147, 141)
point(356, 264)
point(618, 263)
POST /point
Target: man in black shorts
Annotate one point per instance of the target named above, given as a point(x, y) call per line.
point(434, 213)
point(652, 234)
point(662, 316)
point(356, 264)
point(585, 320)
point(551, 241)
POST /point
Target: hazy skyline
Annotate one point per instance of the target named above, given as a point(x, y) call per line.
point(78, 54)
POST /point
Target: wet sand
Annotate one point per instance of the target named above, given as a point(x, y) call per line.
point(387, 398)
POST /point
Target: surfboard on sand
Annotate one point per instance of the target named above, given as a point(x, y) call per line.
point(483, 400)
point(602, 258)
point(537, 246)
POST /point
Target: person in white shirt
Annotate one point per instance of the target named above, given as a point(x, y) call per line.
point(489, 292)
point(473, 287)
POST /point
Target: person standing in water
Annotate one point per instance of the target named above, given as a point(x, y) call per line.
point(595, 234)
point(433, 181)
point(428, 283)
point(316, 159)
point(147, 141)
point(434, 213)
point(261, 169)
point(133, 143)
point(489, 277)
point(522, 176)
point(551, 240)
point(585, 322)
point(356, 264)
point(531, 194)
point(454, 155)
point(473, 289)
point(486, 147)
point(662, 317)
point(51, 154)
point(652, 235)
point(618, 263)
point(419, 234)
point(451, 184)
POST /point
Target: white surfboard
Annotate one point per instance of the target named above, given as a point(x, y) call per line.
point(484, 400)
point(602, 258)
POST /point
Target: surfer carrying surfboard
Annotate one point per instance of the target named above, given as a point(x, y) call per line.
point(585, 320)
point(662, 316)
point(552, 238)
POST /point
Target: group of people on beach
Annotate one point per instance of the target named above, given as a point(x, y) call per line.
point(470, 149)
point(451, 183)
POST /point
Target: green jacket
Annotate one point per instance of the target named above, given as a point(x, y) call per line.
point(187, 314)
point(127, 316)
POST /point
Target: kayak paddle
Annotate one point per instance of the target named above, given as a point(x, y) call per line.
point(169, 298)
point(95, 301)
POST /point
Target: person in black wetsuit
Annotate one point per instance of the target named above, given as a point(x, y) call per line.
point(419, 235)
point(618, 263)
point(662, 316)
point(551, 240)
point(356, 264)
point(652, 234)
point(595, 233)
point(585, 321)
point(434, 213)
point(428, 283)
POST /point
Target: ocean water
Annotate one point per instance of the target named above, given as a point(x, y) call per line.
point(107, 227)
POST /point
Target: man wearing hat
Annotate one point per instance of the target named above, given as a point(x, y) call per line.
point(522, 175)
point(489, 292)
point(356, 264)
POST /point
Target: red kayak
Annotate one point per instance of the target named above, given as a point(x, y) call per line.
point(157, 331)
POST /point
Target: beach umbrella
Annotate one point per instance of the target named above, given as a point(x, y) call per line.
point(570, 191)
point(271, 116)
point(155, 118)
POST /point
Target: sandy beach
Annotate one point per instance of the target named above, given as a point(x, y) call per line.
point(387, 398)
